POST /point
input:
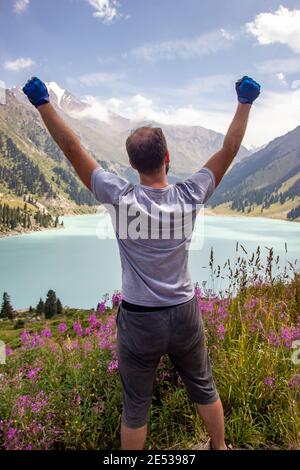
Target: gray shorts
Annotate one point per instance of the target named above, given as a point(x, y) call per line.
point(143, 338)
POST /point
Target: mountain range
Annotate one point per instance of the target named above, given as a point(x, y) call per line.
point(267, 183)
point(32, 164)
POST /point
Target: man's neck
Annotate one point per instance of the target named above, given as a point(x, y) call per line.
point(158, 181)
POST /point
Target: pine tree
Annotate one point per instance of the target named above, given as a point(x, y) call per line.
point(59, 307)
point(6, 308)
point(40, 308)
point(50, 304)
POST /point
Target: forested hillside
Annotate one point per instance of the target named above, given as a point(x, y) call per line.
point(267, 183)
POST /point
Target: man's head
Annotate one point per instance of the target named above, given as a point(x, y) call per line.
point(147, 151)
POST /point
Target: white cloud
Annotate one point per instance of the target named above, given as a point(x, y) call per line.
point(101, 78)
point(280, 110)
point(185, 48)
point(21, 5)
point(140, 108)
point(290, 66)
point(281, 78)
point(282, 26)
point(18, 64)
point(295, 84)
point(105, 10)
point(95, 110)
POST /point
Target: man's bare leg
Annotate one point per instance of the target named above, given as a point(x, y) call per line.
point(133, 439)
point(213, 419)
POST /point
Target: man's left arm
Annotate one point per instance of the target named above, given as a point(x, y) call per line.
point(65, 138)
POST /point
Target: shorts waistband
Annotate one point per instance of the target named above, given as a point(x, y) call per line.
point(143, 308)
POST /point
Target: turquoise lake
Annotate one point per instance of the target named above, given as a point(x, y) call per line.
point(80, 267)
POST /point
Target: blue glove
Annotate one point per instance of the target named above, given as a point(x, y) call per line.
point(36, 91)
point(247, 90)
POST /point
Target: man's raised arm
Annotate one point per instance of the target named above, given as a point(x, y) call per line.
point(65, 138)
point(247, 91)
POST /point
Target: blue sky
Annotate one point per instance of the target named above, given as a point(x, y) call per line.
point(172, 61)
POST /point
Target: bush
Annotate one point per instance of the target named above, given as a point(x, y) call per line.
point(19, 324)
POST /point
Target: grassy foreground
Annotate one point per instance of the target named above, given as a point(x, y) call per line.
point(60, 387)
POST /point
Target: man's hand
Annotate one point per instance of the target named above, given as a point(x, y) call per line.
point(36, 91)
point(247, 90)
point(65, 138)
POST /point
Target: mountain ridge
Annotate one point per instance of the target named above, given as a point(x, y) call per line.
point(24, 135)
point(267, 183)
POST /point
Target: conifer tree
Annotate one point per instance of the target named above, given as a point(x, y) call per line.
point(50, 304)
point(6, 308)
point(59, 307)
point(40, 308)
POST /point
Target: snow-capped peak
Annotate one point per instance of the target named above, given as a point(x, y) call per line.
point(55, 88)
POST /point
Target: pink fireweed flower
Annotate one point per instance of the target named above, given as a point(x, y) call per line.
point(11, 433)
point(101, 307)
point(221, 332)
point(251, 304)
point(94, 322)
point(21, 405)
point(39, 403)
point(112, 366)
point(77, 327)
point(296, 333)
point(62, 328)
point(77, 399)
point(269, 381)
point(116, 298)
point(273, 339)
point(198, 292)
point(287, 336)
point(75, 344)
point(32, 374)
point(87, 346)
point(8, 351)
point(295, 382)
point(25, 337)
point(46, 333)
point(88, 331)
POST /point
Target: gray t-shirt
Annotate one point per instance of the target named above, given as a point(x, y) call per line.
point(154, 260)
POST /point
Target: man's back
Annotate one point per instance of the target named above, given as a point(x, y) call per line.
point(154, 229)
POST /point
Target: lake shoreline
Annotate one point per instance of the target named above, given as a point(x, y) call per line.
point(207, 212)
point(16, 233)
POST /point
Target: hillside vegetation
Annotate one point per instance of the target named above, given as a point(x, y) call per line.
point(267, 183)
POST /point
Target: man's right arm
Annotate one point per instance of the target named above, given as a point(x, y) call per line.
point(247, 90)
point(83, 163)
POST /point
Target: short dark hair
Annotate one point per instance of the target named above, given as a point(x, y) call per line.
point(147, 148)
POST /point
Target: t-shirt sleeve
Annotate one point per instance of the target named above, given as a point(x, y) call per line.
point(200, 186)
point(107, 187)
